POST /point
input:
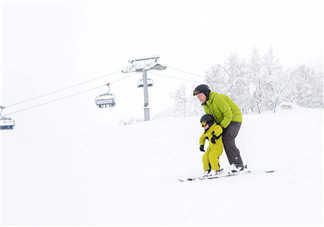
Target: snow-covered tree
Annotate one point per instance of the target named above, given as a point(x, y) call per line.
point(216, 78)
point(255, 66)
point(238, 82)
point(275, 81)
point(306, 87)
point(232, 80)
point(260, 84)
point(179, 96)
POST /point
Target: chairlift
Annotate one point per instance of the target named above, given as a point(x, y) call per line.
point(106, 99)
point(6, 123)
point(140, 83)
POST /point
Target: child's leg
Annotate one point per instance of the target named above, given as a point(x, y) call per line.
point(214, 162)
point(213, 157)
point(205, 160)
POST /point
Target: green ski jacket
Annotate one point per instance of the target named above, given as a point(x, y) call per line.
point(222, 108)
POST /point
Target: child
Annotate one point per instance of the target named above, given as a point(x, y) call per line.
point(213, 133)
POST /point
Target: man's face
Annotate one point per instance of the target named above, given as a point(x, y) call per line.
point(202, 97)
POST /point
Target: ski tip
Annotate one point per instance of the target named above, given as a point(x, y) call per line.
point(269, 171)
point(182, 180)
point(187, 179)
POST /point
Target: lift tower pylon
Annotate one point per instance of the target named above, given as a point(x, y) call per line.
point(143, 65)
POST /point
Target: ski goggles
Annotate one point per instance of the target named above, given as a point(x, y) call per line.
point(203, 124)
point(195, 92)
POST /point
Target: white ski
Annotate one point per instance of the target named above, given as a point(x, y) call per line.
point(223, 175)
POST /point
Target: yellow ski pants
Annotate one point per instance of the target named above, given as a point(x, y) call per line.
point(211, 156)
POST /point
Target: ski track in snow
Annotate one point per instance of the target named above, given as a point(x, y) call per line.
point(127, 175)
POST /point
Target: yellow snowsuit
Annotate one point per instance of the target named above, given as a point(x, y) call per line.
point(214, 150)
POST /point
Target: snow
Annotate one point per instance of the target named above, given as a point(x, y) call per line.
point(127, 175)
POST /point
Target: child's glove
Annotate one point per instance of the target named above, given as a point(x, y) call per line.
point(201, 148)
point(214, 138)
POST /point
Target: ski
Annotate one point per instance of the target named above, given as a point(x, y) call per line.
point(223, 175)
point(211, 177)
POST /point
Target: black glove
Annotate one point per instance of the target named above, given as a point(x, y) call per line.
point(201, 148)
point(214, 138)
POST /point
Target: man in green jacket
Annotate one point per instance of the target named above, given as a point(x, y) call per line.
point(227, 115)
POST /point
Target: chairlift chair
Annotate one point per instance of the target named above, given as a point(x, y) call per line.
point(140, 83)
point(106, 99)
point(6, 123)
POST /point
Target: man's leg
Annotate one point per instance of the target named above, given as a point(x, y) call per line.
point(232, 152)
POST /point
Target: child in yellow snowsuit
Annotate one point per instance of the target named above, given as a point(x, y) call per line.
point(213, 133)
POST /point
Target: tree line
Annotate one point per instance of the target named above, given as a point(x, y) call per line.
point(258, 84)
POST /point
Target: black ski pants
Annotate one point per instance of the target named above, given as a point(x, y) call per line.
point(232, 152)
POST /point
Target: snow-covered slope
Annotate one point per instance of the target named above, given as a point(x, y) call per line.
point(127, 175)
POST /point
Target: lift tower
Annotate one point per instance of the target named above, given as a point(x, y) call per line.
point(143, 65)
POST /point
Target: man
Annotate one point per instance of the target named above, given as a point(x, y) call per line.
point(227, 115)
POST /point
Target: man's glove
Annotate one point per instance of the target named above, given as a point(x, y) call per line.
point(201, 148)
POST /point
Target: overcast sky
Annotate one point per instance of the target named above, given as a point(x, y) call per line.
point(49, 45)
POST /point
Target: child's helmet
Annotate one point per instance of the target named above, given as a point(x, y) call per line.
point(207, 119)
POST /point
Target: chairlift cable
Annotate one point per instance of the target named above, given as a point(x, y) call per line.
point(65, 97)
point(174, 77)
point(180, 70)
point(68, 96)
point(78, 93)
point(62, 89)
point(100, 77)
point(126, 77)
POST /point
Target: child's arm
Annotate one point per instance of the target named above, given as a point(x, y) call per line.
point(217, 133)
point(202, 139)
point(218, 130)
point(202, 142)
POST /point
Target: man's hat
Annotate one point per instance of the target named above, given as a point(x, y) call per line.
point(202, 88)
